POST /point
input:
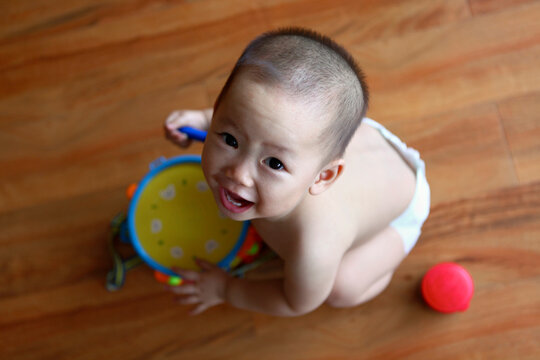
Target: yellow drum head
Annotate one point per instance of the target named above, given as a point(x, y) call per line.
point(173, 218)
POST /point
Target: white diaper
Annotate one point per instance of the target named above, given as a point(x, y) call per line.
point(409, 223)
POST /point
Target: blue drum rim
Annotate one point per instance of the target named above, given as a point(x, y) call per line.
point(177, 160)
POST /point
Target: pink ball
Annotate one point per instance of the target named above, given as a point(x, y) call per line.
point(447, 287)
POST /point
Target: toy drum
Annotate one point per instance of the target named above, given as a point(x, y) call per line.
point(173, 218)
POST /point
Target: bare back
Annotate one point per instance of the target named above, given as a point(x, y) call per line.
point(377, 185)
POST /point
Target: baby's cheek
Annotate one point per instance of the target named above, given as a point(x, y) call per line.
point(280, 197)
point(207, 159)
point(204, 166)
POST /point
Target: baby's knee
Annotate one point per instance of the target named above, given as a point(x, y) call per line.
point(343, 296)
point(340, 299)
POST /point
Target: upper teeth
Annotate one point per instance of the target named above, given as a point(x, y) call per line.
point(235, 203)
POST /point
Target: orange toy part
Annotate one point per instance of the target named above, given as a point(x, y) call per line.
point(166, 279)
point(251, 246)
point(130, 191)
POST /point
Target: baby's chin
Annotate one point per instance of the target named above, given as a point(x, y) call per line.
point(254, 215)
point(245, 216)
point(228, 209)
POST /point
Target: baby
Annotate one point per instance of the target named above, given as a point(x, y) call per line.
point(341, 203)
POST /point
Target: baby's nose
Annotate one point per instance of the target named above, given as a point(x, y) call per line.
point(240, 174)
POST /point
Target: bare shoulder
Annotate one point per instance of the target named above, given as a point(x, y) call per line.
point(312, 234)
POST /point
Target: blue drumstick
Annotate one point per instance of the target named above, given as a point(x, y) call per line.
point(193, 133)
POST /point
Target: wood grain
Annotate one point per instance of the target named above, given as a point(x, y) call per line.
point(522, 127)
point(424, 73)
point(479, 7)
point(450, 142)
point(86, 86)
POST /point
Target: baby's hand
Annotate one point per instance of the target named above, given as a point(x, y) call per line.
point(206, 288)
point(199, 119)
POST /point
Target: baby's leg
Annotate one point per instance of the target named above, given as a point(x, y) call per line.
point(366, 271)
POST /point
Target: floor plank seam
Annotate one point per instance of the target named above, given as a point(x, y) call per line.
point(507, 143)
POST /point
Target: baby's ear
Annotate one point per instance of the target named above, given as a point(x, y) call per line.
point(327, 176)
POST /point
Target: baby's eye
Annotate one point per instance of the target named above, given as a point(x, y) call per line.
point(229, 140)
point(274, 163)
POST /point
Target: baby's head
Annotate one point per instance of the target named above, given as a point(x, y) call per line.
point(315, 71)
point(281, 124)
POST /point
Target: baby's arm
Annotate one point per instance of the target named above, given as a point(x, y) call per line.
point(199, 119)
point(308, 280)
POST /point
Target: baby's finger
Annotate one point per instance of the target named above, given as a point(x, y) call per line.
point(205, 265)
point(199, 309)
point(173, 118)
point(188, 275)
point(185, 289)
point(188, 300)
point(177, 137)
point(171, 130)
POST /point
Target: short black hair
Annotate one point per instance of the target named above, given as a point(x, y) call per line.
point(314, 68)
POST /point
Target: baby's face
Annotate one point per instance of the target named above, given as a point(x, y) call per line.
point(261, 154)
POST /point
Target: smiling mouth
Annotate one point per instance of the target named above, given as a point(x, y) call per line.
point(234, 202)
point(230, 198)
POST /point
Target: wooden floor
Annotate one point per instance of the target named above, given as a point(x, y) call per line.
point(86, 85)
